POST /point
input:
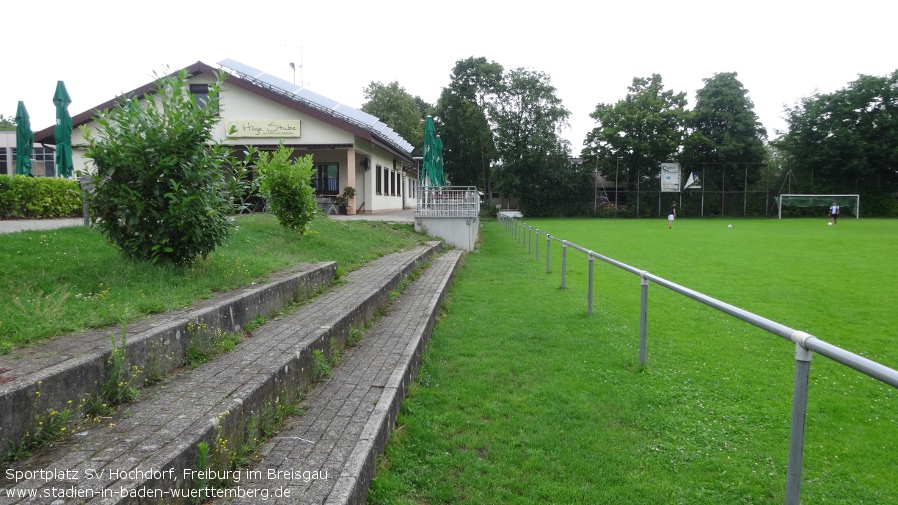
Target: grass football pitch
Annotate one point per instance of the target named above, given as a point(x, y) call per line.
point(523, 398)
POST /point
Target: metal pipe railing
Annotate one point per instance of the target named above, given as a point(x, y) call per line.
point(805, 344)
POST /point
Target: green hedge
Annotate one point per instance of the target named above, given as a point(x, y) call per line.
point(39, 197)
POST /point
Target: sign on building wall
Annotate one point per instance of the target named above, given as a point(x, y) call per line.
point(670, 177)
point(257, 128)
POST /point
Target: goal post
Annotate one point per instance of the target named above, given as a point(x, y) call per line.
point(850, 202)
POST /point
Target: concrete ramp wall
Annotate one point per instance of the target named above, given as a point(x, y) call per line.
point(458, 232)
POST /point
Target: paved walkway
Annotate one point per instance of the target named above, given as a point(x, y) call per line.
point(346, 422)
point(14, 225)
point(328, 454)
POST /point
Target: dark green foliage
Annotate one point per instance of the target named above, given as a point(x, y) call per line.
point(846, 141)
point(725, 128)
point(394, 106)
point(286, 183)
point(39, 197)
point(879, 205)
point(561, 191)
point(164, 188)
point(528, 118)
point(468, 143)
point(644, 129)
point(726, 140)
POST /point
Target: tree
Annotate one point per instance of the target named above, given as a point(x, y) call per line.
point(846, 141)
point(396, 108)
point(644, 129)
point(164, 189)
point(468, 145)
point(7, 124)
point(528, 119)
point(725, 137)
point(287, 184)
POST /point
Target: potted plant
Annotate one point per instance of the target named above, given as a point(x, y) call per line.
point(342, 200)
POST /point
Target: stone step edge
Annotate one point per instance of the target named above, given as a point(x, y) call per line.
point(354, 482)
point(23, 399)
point(284, 386)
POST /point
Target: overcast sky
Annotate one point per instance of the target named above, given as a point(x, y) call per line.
point(782, 50)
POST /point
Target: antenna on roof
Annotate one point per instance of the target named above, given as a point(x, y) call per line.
point(293, 66)
point(302, 81)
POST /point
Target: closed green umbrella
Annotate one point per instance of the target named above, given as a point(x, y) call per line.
point(24, 141)
point(433, 155)
point(430, 152)
point(63, 131)
point(441, 175)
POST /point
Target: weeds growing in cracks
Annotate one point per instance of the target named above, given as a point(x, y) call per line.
point(119, 386)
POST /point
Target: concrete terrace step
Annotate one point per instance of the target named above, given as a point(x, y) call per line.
point(328, 454)
point(50, 374)
point(215, 403)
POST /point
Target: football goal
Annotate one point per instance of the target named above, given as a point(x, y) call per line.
point(852, 203)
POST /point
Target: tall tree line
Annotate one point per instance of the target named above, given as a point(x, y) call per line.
point(501, 132)
point(847, 142)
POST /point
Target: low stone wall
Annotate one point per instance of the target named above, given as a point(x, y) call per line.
point(158, 342)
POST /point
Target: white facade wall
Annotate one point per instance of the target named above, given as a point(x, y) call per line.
point(238, 104)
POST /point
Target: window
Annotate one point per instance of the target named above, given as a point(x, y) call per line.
point(200, 93)
point(378, 182)
point(4, 161)
point(326, 180)
point(43, 162)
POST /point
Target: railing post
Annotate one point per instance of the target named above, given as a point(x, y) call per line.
point(536, 245)
point(529, 238)
point(548, 249)
point(796, 434)
point(643, 317)
point(592, 261)
point(563, 263)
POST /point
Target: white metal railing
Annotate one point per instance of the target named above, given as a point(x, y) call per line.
point(448, 201)
point(805, 344)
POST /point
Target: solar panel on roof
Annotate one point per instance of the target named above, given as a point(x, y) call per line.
point(319, 99)
point(240, 67)
point(361, 116)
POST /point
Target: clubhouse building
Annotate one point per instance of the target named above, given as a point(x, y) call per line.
point(348, 147)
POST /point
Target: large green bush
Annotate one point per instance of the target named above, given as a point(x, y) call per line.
point(164, 188)
point(39, 197)
point(287, 184)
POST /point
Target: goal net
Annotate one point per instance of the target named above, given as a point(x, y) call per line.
point(851, 203)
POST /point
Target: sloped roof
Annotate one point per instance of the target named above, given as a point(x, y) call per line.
point(243, 76)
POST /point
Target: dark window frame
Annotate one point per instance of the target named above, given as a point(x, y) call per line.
point(378, 184)
point(321, 178)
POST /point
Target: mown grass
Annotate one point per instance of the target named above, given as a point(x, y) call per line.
point(63, 281)
point(523, 398)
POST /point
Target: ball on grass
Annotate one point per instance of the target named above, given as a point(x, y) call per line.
point(729, 226)
point(830, 224)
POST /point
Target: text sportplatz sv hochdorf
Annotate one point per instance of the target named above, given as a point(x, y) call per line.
point(55, 474)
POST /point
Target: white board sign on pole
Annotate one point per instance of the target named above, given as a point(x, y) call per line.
point(670, 177)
